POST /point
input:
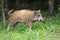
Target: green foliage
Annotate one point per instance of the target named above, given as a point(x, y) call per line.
point(40, 31)
point(59, 7)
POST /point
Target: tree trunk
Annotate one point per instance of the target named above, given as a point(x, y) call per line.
point(51, 7)
point(3, 14)
point(6, 6)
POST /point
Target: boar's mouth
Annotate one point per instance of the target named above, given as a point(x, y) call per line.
point(43, 21)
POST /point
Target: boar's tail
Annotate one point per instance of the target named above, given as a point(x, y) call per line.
point(10, 11)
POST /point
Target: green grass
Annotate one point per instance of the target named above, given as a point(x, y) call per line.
point(40, 31)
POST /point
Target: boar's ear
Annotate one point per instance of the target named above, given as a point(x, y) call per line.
point(39, 10)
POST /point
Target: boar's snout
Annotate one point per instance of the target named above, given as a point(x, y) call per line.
point(41, 19)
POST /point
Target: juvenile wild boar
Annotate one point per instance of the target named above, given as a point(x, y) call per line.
point(24, 15)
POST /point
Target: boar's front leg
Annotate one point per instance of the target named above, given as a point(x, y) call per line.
point(30, 25)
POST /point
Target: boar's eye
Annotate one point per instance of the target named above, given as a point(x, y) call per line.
point(38, 15)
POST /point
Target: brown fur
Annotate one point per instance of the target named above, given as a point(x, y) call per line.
point(23, 16)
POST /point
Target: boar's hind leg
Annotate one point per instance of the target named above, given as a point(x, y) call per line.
point(12, 24)
point(15, 24)
point(9, 26)
point(30, 25)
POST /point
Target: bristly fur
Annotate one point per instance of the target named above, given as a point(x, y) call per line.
point(26, 16)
